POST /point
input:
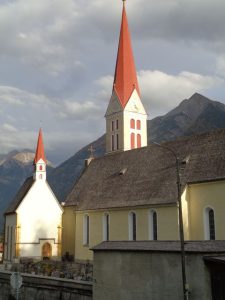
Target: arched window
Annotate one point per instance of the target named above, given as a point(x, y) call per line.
point(138, 141)
point(112, 125)
point(106, 227)
point(113, 146)
point(209, 221)
point(40, 168)
point(117, 124)
point(153, 226)
point(132, 124)
point(132, 141)
point(40, 176)
point(132, 224)
point(138, 124)
point(86, 230)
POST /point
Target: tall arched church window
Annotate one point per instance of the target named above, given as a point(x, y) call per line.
point(138, 141)
point(153, 225)
point(132, 226)
point(132, 124)
point(209, 220)
point(106, 227)
point(132, 140)
point(86, 230)
point(138, 124)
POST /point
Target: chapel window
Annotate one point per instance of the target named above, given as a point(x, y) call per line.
point(117, 141)
point(112, 125)
point(40, 168)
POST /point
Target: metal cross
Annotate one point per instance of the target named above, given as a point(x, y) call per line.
point(91, 150)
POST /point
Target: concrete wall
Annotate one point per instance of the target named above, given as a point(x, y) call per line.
point(46, 288)
point(144, 275)
point(118, 228)
point(205, 195)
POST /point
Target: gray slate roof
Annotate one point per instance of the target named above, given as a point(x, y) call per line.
point(20, 195)
point(147, 176)
point(162, 246)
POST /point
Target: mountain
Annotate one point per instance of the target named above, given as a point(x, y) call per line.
point(15, 167)
point(197, 114)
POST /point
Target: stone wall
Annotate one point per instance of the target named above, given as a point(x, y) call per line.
point(46, 288)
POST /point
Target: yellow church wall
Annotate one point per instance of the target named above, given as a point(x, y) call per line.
point(118, 229)
point(202, 196)
point(69, 229)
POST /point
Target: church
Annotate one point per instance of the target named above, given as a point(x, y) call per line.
point(130, 194)
point(33, 221)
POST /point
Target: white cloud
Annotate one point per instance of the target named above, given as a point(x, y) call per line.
point(162, 92)
point(8, 127)
point(18, 97)
point(220, 65)
point(81, 110)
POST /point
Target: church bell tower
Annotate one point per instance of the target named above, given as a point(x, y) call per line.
point(126, 118)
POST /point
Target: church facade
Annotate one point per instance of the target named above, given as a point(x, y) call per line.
point(131, 192)
point(33, 221)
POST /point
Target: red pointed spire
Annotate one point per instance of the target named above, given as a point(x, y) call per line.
point(40, 152)
point(125, 79)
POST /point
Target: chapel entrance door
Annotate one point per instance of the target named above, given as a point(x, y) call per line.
point(46, 250)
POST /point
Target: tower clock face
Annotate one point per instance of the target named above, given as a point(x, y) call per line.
point(134, 105)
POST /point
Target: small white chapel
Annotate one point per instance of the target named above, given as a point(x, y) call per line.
point(33, 221)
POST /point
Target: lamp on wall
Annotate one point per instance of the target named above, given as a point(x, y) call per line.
point(180, 215)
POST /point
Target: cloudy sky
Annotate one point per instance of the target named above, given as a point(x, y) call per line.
point(57, 59)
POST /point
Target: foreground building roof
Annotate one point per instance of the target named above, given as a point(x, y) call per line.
point(162, 246)
point(147, 176)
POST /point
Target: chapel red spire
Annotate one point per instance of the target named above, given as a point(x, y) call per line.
point(40, 152)
point(125, 79)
